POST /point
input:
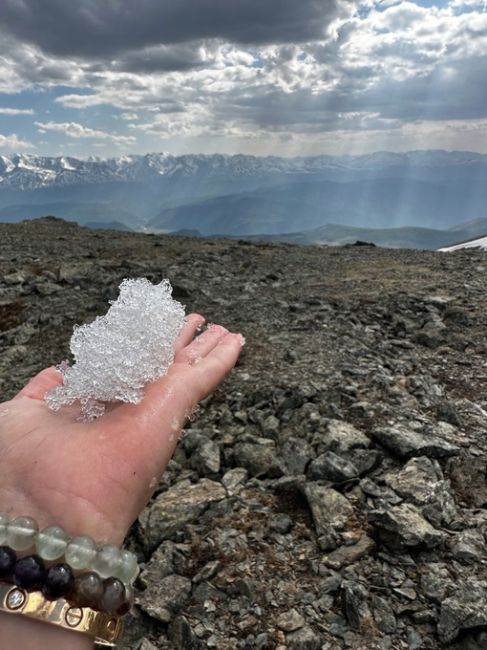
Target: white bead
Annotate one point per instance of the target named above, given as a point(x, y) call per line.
point(51, 543)
point(80, 552)
point(128, 568)
point(21, 532)
point(3, 527)
point(107, 561)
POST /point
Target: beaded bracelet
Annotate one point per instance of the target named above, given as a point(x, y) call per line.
point(81, 552)
point(58, 581)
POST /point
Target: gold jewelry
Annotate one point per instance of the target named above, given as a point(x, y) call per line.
point(105, 628)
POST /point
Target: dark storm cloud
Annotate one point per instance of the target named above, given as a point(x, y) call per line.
point(93, 29)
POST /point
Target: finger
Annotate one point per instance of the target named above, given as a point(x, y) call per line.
point(149, 431)
point(201, 346)
point(41, 383)
point(213, 369)
point(191, 325)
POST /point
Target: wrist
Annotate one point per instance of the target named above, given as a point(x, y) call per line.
point(23, 633)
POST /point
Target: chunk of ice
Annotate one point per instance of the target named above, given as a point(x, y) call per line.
point(120, 352)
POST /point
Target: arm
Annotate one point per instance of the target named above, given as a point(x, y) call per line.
point(94, 478)
point(26, 634)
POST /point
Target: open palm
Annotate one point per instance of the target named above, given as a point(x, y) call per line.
point(95, 477)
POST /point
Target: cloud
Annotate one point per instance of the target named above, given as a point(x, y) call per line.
point(75, 130)
point(14, 143)
point(249, 70)
point(103, 29)
point(16, 111)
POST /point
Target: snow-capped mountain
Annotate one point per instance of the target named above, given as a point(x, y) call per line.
point(26, 172)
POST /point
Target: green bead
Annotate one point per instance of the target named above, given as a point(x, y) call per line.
point(51, 543)
point(21, 533)
point(80, 552)
point(107, 561)
point(3, 527)
point(128, 569)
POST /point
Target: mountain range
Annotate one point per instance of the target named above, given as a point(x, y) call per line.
point(244, 196)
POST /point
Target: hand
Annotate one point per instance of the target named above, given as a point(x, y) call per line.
point(95, 477)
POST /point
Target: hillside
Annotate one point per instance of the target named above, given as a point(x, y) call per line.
point(332, 493)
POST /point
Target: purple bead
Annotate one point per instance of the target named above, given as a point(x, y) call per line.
point(8, 558)
point(29, 572)
point(59, 582)
point(114, 595)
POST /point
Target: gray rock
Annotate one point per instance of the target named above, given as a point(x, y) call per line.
point(341, 437)
point(345, 555)
point(432, 334)
point(355, 606)
point(365, 460)
point(296, 454)
point(303, 639)
point(406, 442)
point(415, 640)
point(258, 459)
point(465, 609)
point(160, 565)
point(206, 458)
point(290, 620)
point(436, 581)
point(182, 635)
point(421, 482)
point(47, 288)
point(172, 510)
point(280, 523)
point(403, 525)
point(165, 597)
point(234, 480)
point(145, 644)
point(331, 467)
point(331, 512)
point(383, 614)
point(468, 546)
point(270, 427)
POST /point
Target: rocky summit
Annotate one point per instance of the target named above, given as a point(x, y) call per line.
point(332, 494)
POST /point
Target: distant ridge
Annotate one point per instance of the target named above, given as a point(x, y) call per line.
point(240, 195)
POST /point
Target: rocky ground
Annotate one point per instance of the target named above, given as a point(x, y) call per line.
point(332, 494)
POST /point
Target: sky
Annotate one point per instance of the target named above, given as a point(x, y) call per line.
point(264, 77)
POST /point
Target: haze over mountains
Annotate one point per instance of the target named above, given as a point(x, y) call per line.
point(418, 199)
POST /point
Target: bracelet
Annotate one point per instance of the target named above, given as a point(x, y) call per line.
point(105, 628)
point(80, 552)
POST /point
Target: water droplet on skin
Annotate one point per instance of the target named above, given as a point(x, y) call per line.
point(175, 424)
point(153, 483)
point(3, 413)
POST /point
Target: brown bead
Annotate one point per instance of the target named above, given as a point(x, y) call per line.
point(88, 590)
point(128, 603)
point(114, 595)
